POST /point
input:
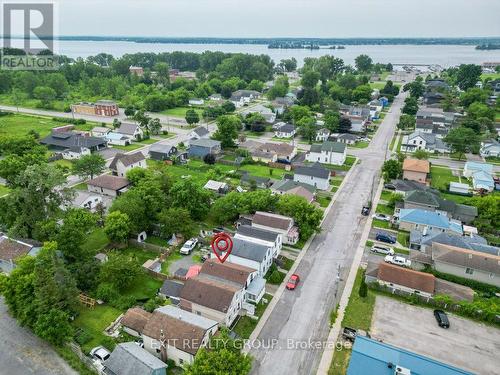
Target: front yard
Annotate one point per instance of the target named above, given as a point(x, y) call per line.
point(246, 325)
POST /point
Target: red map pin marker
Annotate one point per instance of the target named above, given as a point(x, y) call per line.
point(222, 245)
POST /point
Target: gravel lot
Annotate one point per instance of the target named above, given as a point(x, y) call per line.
point(466, 344)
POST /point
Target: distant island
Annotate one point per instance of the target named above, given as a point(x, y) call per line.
point(292, 45)
point(302, 42)
point(489, 46)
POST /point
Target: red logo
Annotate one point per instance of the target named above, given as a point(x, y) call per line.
point(222, 245)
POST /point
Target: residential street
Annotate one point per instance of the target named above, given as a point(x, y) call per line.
point(302, 316)
point(21, 352)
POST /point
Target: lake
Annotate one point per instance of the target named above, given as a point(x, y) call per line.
point(444, 55)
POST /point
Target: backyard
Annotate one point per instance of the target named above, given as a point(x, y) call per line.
point(441, 178)
point(18, 125)
point(3, 190)
point(180, 111)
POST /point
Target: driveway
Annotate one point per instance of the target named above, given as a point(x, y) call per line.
point(21, 352)
point(466, 344)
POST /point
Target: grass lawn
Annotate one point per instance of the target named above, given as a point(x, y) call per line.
point(490, 75)
point(441, 177)
point(361, 144)
point(93, 322)
point(263, 171)
point(148, 141)
point(96, 241)
point(4, 190)
point(64, 163)
point(381, 224)
point(165, 136)
point(386, 195)
point(174, 256)
point(180, 111)
point(378, 85)
point(401, 251)
point(358, 313)
point(323, 201)
point(246, 325)
point(461, 199)
point(383, 209)
point(131, 147)
point(340, 362)
point(80, 186)
point(18, 125)
point(404, 238)
point(337, 180)
point(157, 241)
point(143, 288)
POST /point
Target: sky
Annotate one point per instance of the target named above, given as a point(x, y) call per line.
point(280, 18)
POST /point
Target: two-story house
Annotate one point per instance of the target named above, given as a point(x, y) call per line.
point(276, 223)
point(416, 170)
point(199, 148)
point(285, 131)
point(419, 140)
point(122, 163)
point(328, 153)
point(314, 175)
point(252, 255)
point(131, 131)
point(262, 237)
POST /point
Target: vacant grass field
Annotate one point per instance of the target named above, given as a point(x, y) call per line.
point(18, 125)
point(462, 199)
point(490, 76)
point(358, 313)
point(340, 362)
point(441, 178)
point(95, 241)
point(180, 111)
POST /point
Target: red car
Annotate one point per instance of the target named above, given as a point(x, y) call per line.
point(293, 282)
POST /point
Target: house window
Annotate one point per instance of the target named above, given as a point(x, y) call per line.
point(469, 271)
point(181, 361)
point(491, 276)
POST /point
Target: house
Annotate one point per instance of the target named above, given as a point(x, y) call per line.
point(416, 170)
point(473, 242)
point(211, 299)
point(75, 152)
point(285, 131)
point(87, 200)
point(469, 264)
point(490, 149)
point(314, 175)
point(131, 131)
point(282, 103)
point(137, 70)
point(217, 187)
point(481, 174)
point(328, 153)
point(322, 135)
point(375, 108)
point(277, 223)
point(284, 152)
point(134, 321)
point(403, 279)
point(199, 133)
point(11, 250)
point(128, 358)
point(215, 97)
point(111, 186)
point(199, 148)
point(122, 163)
point(61, 141)
point(427, 221)
point(266, 112)
point(241, 97)
point(459, 188)
point(117, 139)
point(171, 290)
point(263, 156)
point(196, 101)
point(347, 138)
point(430, 200)
point(100, 131)
point(362, 112)
point(246, 278)
point(251, 254)
point(261, 236)
point(423, 141)
point(380, 358)
point(177, 335)
point(162, 152)
point(295, 188)
point(404, 186)
point(100, 108)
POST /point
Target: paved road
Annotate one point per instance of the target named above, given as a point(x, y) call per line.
point(455, 164)
point(23, 353)
point(302, 316)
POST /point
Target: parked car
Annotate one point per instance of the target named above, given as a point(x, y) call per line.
point(382, 217)
point(365, 211)
point(100, 353)
point(385, 237)
point(390, 186)
point(381, 249)
point(351, 333)
point(293, 282)
point(189, 246)
point(398, 261)
point(218, 230)
point(442, 318)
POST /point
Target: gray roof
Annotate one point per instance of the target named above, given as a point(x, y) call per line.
point(287, 128)
point(249, 250)
point(261, 234)
point(127, 128)
point(247, 177)
point(171, 288)
point(348, 136)
point(316, 170)
point(70, 139)
point(476, 243)
point(329, 146)
point(201, 131)
point(286, 185)
point(209, 143)
point(188, 317)
point(127, 159)
point(160, 148)
point(408, 185)
point(129, 358)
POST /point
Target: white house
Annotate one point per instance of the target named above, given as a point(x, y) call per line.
point(262, 237)
point(106, 184)
point(131, 131)
point(423, 141)
point(328, 153)
point(100, 131)
point(490, 149)
point(283, 225)
point(122, 163)
point(314, 175)
point(251, 254)
point(266, 112)
point(199, 133)
point(196, 101)
point(241, 97)
point(285, 131)
point(75, 152)
point(117, 139)
point(322, 135)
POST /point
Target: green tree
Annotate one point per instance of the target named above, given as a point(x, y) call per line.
point(175, 220)
point(307, 128)
point(117, 227)
point(307, 216)
point(192, 117)
point(362, 93)
point(332, 119)
point(392, 169)
point(467, 76)
point(462, 140)
point(120, 271)
point(227, 130)
point(474, 94)
point(363, 63)
point(89, 166)
point(191, 196)
point(363, 288)
point(421, 154)
point(54, 327)
point(488, 208)
point(72, 234)
point(406, 122)
point(345, 125)
point(411, 106)
point(46, 95)
point(154, 125)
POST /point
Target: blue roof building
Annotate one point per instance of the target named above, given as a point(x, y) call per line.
point(370, 357)
point(417, 219)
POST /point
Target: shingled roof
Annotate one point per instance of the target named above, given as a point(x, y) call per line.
point(212, 269)
point(11, 249)
point(126, 159)
point(416, 165)
point(466, 258)
point(136, 318)
point(211, 294)
point(271, 220)
point(416, 280)
point(107, 181)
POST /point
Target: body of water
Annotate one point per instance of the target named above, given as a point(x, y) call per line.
point(444, 55)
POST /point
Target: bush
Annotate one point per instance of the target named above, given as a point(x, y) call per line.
point(123, 302)
point(106, 292)
point(77, 121)
point(83, 337)
point(476, 285)
point(363, 288)
point(274, 276)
